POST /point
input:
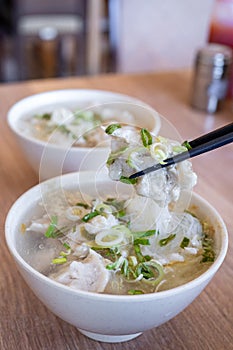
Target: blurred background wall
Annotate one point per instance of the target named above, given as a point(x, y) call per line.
point(158, 34)
point(46, 38)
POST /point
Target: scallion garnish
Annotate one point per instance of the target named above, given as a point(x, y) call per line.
point(185, 242)
point(84, 205)
point(111, 128)
point(187, 145)
point(135, 291)
point(58, 261)
point(142, 241)
point(45, 116)
point(146, 137)
point(208, 254)
point(166, 240)
point(120, 213)
point(138, 253)
point(140, 234)
point(128, 181)
point(152, 271)
point(90, 215)
point(50, 233)
point(66, 245)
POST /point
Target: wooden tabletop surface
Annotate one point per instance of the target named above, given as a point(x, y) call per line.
point(208, 322)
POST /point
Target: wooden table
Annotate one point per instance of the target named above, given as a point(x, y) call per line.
point(207, 323)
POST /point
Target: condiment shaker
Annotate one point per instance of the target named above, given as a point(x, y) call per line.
point(211, 77)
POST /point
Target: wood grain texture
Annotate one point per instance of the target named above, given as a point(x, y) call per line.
point(207, 323)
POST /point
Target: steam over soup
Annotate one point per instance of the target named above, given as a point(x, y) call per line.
point(133, 244)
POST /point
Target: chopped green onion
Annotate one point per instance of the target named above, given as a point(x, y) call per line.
point(179, 149)
point(45, 116)
point(120, 213)
point(84, 205)
point(63, 129)
point(111, 128)
point(116, 265)
point(90, 215)
point(109, 238)
point(103, 208)
point(132, 260)
point(208, 254)
point(128, 181)
point(152, 272)
point(185, 242)
point(66, 245)
point(125, 268)
point(146, 137)
point(144, 269)
point(135, 291)
point(140, 234)
point(58, 261)
point(50, 233)
point(85, 115)
point(142, 241)
point(64, 254)
point(166, 240)
point(138, 253)
point(187, 145)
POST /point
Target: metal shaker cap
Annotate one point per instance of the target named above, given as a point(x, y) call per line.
point(214, 54)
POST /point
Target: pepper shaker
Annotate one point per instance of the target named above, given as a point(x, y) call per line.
point(211, 77)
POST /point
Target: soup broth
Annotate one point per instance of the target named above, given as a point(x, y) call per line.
point(116, 259)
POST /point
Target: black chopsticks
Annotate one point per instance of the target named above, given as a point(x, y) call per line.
point(202, 144)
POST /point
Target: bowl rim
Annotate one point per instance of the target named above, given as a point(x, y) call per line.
point(209, 273)
point(12, 117)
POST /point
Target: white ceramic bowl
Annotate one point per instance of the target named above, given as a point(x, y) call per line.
point(110, 318)
point(49, 159)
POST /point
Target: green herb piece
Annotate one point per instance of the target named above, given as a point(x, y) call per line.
point(152, 272)
point(117, 264)
point(142, 241)
point(111, 128)
point(187, 145)
point(128, 181)
point(62, 128)
point(146, 137)
point(84, 205)
point(185, 242)
point(111, 253)
point(208, 254)
point(140, 234)
point(90, 215)
point(66, 245)
point(144, 269)
point(58, 261)
point(138, 253)
point(166, 240)
point(45, 116)
point(132, 260)
point(86, 115)
point(179, 149)
point(50, 233)
point(135, 291)
point(120, 213)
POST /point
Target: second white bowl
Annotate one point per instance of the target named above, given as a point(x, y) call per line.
point(49, 159)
